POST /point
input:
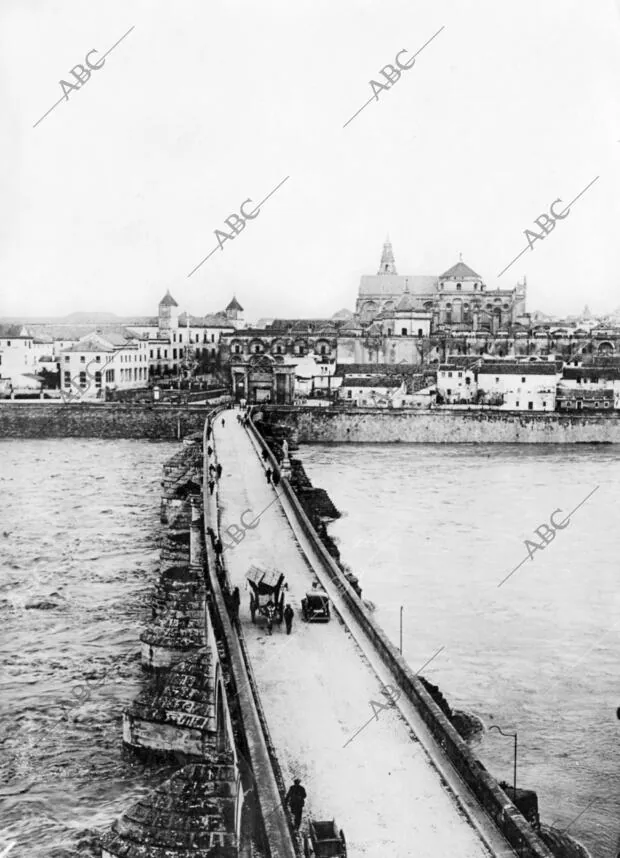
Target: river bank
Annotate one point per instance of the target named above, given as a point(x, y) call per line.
point(457, 426)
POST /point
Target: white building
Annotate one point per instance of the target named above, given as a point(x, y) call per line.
point(100, 362)
point(456, 385)
point(527, 386)
point(18, 358)
point(179, 338)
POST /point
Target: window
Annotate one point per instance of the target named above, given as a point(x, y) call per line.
point(174, 338)
point(389, 333)
point(460, 375)
point(458, 287)
point(82, 379)
point(196, 340)
point(496, 380)
point(468, 381)
point(544, 404)
point(323, 350)
point(257, 350)
point(449, 375)
point(98, 380)
point(67, 381)
point(237, 350)
point(349, 393)
point(522, 378)
point(449, 391)
point(166, 353)
point(212, 338)
point(158, 354)
point(420, 332)
point(8, 342)
point(174, 353)
point(403, 332)
point(67, 358)
point(109, 375)
point(278, 350)
point(517, 403)
point(82, 359)
point(180, 338)
point(151, 353)
point(97, 358)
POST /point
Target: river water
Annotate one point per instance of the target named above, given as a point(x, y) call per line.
point(79, 531)
point(436, 529)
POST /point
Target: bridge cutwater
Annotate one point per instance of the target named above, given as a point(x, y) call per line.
point(240, 710)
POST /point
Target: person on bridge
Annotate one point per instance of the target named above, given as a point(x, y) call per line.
point(218, 470)
point(295, 798)
point(276, 476)
point(211, 486)
point(209, 450)
point(235, 601)
point(288, 618)
point(268, 474)
point(223, 423)
point(264, 454)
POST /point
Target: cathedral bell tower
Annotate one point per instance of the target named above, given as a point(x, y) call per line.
point(387, 265)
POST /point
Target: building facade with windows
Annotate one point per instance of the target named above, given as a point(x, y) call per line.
point(456, 300)
point(526, 386)
point(100, 362)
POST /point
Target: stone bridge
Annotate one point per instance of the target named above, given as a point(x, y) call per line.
point(242, 711)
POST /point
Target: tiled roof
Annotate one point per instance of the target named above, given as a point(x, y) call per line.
point(382, 369)
point(406, 303)
point(460, 271)
point(234, 305)
point(541, 368)
point(574, 372)
point(377, 381)
point(168, 300)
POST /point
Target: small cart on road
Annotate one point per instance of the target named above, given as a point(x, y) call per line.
point(324, 840)
point(266, 593)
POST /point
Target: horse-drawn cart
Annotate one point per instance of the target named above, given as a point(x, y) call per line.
point(324, 840)
point(266, 593)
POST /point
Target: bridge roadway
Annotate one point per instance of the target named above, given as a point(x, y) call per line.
point(316, 686)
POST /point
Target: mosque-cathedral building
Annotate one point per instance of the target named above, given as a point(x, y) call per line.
point(457, 300)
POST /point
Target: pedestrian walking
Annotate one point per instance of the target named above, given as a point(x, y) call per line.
point(218, 470)
point(211, 535)
point(264, 454)
point(218, 548)
point(235, 601)
point(288, 618)
point(296, 798)
point(211, 486)
point(211, 468)
point(223, 423)
point(276, 476)
point(268, 474)
point(209, 450)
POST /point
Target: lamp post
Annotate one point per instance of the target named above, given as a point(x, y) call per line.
point(401, 629)
point(509, 736)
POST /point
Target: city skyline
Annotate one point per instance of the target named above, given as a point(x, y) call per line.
point(116, 196)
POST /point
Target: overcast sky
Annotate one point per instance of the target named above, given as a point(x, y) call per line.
point(115, 196)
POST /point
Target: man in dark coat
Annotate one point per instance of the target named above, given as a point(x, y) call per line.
point(219, 470)
point(288, 618)
point(295, 798)
point(211, 486)
point(268, 473)
point(235, 601)
point(276, 476)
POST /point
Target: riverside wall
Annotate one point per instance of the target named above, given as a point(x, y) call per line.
point(93, 420)
point(365, 425)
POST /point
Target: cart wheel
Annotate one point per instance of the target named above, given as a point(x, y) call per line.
point(344, 844)
point(307, 852)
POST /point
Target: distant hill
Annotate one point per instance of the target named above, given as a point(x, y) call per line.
point(92, 317)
